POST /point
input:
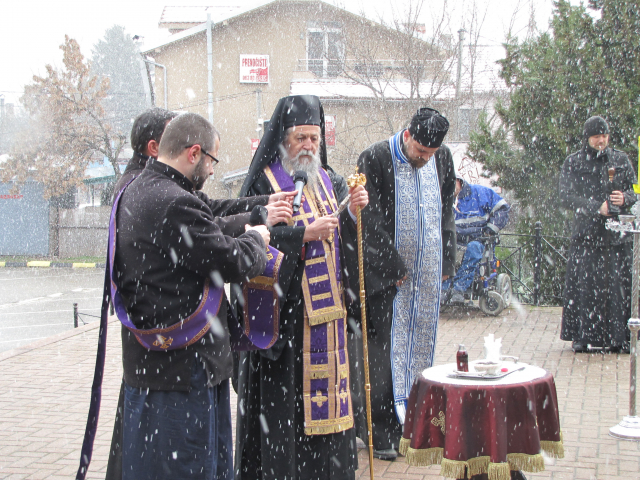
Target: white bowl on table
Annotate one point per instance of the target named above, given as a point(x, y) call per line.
point(487, 367)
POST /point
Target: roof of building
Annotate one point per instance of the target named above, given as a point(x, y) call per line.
point(482, 73)
point(337, 89)
point(183, 17)
point(187, 21)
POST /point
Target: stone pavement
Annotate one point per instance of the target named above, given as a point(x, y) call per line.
point(45, 388)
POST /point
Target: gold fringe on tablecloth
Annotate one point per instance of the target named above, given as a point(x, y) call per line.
point(553, 449)
point(453, 468)
point(404, 446)
point(499, 471)
point(478, 465)
point(475, 466)
point(421, 458)
point(528, 463)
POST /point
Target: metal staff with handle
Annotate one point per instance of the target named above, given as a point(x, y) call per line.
point(354, 181)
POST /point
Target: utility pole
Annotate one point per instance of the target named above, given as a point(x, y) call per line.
point(165, 87)
point(259, 111)
point(144, 71)
point(459, 80)
point(209, 69)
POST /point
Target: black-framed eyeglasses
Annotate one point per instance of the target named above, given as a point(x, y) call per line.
point(213, 159)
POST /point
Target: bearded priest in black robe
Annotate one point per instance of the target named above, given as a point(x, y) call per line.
point(409, 249)
point(295, 418)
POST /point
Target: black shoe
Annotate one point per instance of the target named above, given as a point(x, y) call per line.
point(388, 454)
point(579, 348)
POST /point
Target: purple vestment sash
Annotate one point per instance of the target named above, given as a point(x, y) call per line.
point(182, 333)
point(262, 303)
point(327, 397)
point(260, 331)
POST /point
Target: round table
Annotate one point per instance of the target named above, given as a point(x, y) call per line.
point(478, 426)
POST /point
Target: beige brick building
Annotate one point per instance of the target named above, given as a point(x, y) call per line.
point(370, 77)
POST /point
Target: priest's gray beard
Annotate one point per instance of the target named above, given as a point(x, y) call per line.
point(311, 168)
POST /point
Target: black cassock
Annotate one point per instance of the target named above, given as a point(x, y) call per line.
point(383, 267)
point(597, 297)
point(270, 438)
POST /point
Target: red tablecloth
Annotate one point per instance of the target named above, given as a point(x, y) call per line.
point(484, 426)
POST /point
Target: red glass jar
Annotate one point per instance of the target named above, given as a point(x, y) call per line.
point(462, 358)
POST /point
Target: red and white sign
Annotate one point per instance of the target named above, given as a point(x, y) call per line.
point(254, 68)
point(330, 130)
point(254, 146)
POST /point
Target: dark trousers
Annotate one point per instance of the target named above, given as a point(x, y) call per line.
point(178, 434)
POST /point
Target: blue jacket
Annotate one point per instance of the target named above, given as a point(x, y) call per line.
point(479, 210)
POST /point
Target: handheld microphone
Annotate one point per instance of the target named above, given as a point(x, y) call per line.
point(300, 179)
point(258, 216)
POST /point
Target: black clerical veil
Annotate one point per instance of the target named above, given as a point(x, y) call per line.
point(290, 111)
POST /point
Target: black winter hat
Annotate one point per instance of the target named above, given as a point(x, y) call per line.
point(595, 126)
point(428, 127)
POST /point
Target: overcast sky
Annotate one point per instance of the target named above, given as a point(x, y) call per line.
point(31, 31)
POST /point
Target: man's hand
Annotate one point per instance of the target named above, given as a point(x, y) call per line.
point(278, 212)
point(321, 229)
point(445, 277)
point(262, 230)
point(359, 198)
point(282, 196)
point(617, 198)
point(401, 281)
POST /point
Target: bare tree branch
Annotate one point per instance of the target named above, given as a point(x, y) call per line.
point(67, 126)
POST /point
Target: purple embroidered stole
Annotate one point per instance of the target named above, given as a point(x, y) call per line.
point(179, 335)
point(327, 398)
point(262, 304)
point(259, 332)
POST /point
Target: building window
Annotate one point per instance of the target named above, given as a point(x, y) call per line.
point(325, 48)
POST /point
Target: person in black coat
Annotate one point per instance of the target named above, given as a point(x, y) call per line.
point(146, 133)
point(416, 160)
point(597, 298)
point(170, 256)
point(230, 216)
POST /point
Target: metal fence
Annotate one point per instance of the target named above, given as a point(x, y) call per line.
point(536, 264)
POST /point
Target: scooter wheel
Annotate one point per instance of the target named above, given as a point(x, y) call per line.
point(491, 303)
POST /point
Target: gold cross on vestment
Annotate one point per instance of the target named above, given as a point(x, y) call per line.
point(163, 342)
point(319, 398)
point(343, 395)
point(439, 421)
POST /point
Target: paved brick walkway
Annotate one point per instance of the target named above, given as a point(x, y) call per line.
point(44, 398)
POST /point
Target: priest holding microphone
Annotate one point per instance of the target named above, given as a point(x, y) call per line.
point(295, 418)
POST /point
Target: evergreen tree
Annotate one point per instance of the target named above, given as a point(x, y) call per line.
point(117, 58)
point(583, 66)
